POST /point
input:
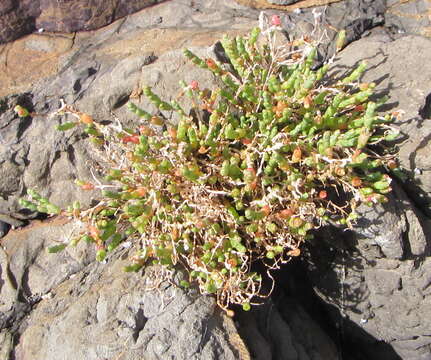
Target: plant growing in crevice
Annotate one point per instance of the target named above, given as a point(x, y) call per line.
point(278, 150)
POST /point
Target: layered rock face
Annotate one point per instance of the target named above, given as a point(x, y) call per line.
point(373, 281)
point(100, 312)
point(21, 17)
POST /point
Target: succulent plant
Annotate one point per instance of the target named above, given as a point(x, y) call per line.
point(278, 150)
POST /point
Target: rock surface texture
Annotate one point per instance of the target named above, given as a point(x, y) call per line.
point(96, 311)
point(409, 16)
point(374, 281)
point(20, 17)
point(104, 313)
point(378, 275)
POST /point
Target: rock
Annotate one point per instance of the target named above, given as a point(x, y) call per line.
point(28, 272)
point(89, 310)
point(412, 17)
point(400, 16)
point(385, 226)
point(30, 59)
point(9, 220)
point(397, 227)
point(282, 2)
point(24, 16)
point(323, 23)
point(35, 156)
point(376, 278)
point(104, 313)
point(6, 344)
point(6, 6)
point(27, 269)
point(13, 25)
point(294, 4)
point(181, 24)
point(119, 313)
point(379, 300)
point(79, 15)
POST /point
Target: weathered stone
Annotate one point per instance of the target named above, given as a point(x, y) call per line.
point(166, 26)
point(4, 228)
point(26, 267)
point(385, 226)
point(99, 311)
point(11, 181)
point(11, 221)
point(386, 304)
point(13, 25)
point(6, 344)
point(382, 282)
point(70, 16)
point(24, 16)
point(105, 313)
point(282, 2)
point(30, 59)
point(412, 17)
point(323, 23)
point(6, 6)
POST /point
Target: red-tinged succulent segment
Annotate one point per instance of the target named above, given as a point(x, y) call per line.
point(275, 152)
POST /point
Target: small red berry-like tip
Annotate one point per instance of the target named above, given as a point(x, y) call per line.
point(194, 85)
point(275, 20)
point(246, 141)
point(132, 138)
point(21, 112)
point(87, 186)
point(266, 210)
point(323, 194)
point(210, 63)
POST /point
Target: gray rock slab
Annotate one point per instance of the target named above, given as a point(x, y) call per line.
point(381, 303)
point(6, 344)
point(105, 313)
point(66, 306)
point(21, 17)
point(28, 272)
point(411, 17)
